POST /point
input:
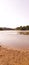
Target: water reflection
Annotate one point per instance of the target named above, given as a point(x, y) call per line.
point(23, 33)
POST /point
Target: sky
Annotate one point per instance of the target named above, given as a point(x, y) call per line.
point(14, 13)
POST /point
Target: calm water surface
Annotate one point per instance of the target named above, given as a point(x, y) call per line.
point(14, 40)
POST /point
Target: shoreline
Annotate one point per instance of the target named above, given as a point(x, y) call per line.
point(13, 48)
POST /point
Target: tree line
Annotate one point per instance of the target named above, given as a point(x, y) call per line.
point(23, 28)
point(4, 28)
point(18, 28)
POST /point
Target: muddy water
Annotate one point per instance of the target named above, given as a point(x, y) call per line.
point(14, 40)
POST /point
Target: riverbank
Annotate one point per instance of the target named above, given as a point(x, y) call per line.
point(14, 57)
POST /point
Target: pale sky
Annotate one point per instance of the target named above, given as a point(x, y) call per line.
point(14, 13)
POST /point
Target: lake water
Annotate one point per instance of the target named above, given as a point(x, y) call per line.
point(13, 39)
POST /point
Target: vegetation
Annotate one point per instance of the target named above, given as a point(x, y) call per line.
point(6, 28)
point(18, 28)
point(23, 28)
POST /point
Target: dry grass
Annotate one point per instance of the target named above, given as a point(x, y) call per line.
point(14, 57)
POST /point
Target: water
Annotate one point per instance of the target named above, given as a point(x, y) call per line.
point(12, 39)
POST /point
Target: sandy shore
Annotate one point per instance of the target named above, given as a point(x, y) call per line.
point(14, 57)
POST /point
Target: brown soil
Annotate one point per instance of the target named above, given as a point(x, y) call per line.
point(14, 57)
